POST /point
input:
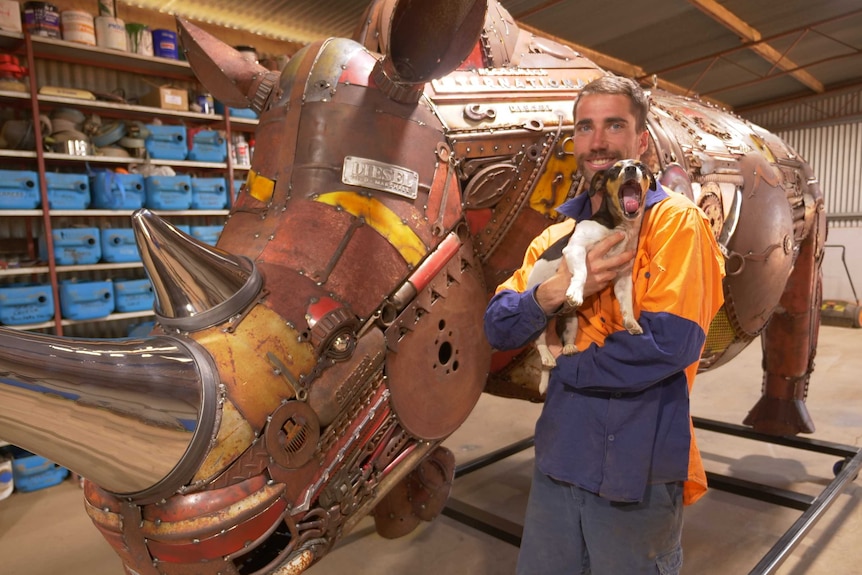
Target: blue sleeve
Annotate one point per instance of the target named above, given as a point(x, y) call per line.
point(632, 363)
point(513, 319)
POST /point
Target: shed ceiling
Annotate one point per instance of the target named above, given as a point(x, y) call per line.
point(740, 53)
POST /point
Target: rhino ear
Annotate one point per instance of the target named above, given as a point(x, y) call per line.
point(226, 74)
point(424, 40)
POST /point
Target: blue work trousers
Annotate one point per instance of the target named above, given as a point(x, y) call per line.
point(570, 531)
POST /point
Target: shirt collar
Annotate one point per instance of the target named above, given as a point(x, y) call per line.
point(580, 208)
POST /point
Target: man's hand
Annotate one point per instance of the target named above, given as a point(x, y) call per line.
point(551, 294)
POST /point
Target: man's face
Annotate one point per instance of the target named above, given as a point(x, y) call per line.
point(605, 131)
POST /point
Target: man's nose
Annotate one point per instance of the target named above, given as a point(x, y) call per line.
point(598, 141)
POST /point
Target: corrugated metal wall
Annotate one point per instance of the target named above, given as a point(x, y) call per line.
point(835, 153)
point(98, 79)
point(837, 108)
point(827, 132)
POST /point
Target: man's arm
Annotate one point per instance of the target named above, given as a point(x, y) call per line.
point(515, 316)
point(683, 292)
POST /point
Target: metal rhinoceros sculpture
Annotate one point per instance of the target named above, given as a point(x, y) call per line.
point(304, 372)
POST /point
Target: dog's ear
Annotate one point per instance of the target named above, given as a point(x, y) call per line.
point(598, 182)
point(651, 180)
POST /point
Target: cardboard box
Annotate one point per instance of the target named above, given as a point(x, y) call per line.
point(10, 16)
point(167, 98)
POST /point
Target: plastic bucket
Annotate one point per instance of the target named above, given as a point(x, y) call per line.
point(111, 33)
point(78, 27)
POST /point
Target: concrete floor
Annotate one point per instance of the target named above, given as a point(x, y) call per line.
point(47, 532)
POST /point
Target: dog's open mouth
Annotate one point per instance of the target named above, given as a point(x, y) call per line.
point(630, 197)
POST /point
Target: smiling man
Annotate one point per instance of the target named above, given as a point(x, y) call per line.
point(615, 451)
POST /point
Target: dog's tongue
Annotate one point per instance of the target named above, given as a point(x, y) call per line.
point(630, 200)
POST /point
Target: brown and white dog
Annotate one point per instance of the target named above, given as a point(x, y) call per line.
point(625, 185)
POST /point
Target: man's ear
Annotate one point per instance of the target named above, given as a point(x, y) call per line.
point(643, 143)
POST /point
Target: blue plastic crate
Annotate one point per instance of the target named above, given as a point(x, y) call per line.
point(208, 146)
point(86, 300)
point(68, 191)
point(133, 295)
point(207, 234)
point(26, 303)
point(119, 246)
point(19, 190)
point(237, 186)
point(142, 329)
point(246, 113)
point(32, 472)
point(73, 246)
point(112, 191)
point(209, 193)
point(168, 192)
point(166, 142)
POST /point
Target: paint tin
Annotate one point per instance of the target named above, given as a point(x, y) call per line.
point(140, 39)
point(111, 33)
point(42, 19)
point(165, 44)
point(206, 103)
point(78, 27)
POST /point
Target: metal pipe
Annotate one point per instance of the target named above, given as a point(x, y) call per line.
point(788, 542)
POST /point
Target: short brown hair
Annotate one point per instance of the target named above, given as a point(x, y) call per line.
point(620, 85)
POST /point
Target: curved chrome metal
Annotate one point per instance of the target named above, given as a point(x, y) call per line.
point(196, 285)
point(141, 436)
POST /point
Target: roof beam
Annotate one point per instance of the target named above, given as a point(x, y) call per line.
point(750, 34)
point(616, 65)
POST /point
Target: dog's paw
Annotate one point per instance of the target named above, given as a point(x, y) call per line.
point(574, 299)
point(634, 328)
point(570, 349)
point(548, 359)
point(543, 382)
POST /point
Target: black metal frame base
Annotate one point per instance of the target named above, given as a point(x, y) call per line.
point(813, 508)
